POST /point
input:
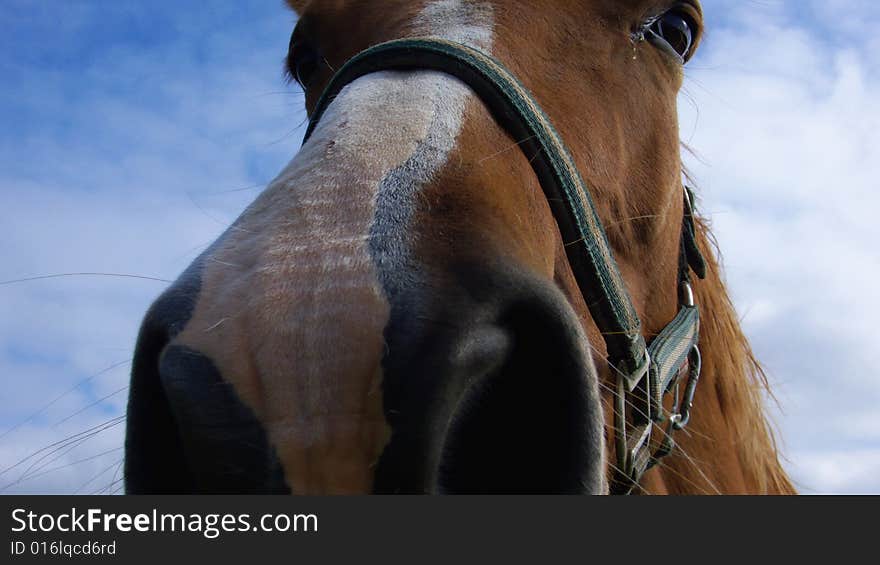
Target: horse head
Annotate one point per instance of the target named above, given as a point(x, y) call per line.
point(398, 312)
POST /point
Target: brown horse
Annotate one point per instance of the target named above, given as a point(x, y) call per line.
point(397, 313)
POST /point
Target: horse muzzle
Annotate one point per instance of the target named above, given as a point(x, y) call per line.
point(488, 388)
point(483, 384)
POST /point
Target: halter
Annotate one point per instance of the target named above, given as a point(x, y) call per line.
point(645, 374)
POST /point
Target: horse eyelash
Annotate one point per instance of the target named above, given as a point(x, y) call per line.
point(640, 35)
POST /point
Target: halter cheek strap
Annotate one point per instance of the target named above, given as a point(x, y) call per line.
point(645, 375)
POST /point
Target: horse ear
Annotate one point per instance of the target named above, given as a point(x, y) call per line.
point(297, 5)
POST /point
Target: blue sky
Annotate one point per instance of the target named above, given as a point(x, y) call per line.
point(134, 133)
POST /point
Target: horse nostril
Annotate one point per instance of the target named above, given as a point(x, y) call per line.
point(490, 390)
point(188, 432)
point(530, 420)
point(227, 447)
point(483, 352)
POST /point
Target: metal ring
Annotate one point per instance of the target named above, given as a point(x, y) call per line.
point(687, 294)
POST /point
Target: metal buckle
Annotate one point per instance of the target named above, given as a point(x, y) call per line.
point(683, 417)
point(688, 202)
point(686, 294)
point(634, 377)
point(680, 416)
point(632, 450)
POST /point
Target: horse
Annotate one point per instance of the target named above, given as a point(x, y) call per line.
point(401, 311)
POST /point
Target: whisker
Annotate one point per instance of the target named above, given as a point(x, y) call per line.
point(66, 275)
point(637, 485)
point(61, 444)
point(92, 405)
point(51, 457)
point(505, 150)
point(60, 467)
point(691, 482)
point(116, 473)
point(243, 189)
point(93, 479)
point(207, 214)
point(63, 395)
point(58, 453)
point(112, 484)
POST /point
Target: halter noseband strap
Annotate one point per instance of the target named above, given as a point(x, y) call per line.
point(644, 374)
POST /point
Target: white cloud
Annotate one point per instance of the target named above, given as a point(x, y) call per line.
point(131, 163)
point(839, 471)
point(782, 113)
point(786, 125)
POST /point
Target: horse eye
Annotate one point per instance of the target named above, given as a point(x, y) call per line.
point(302, 62)
point(674, 31)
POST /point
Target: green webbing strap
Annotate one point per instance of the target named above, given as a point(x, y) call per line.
point(693, 257)
point(514, 108)
point(669, 353)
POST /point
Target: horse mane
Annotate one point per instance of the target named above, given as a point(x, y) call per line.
point(739, 380)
